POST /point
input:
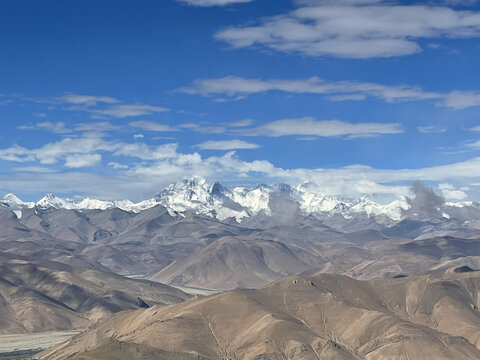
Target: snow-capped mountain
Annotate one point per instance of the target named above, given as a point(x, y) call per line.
point(198, 196)
point(15, 204)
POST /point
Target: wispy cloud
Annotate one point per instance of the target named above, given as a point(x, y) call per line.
point(69, 149)
point(98, 106)
point(205, 127)
point(227, 145)
point(87, 100)
point(432, 129)
point(82, 160)
point(151, 167)
point(308, 126)
point(151, 126)
point(56, 127)
point(85, 151)
point(61, 128)
point(354, 29)
point(117, 166)
point(123, 111)
point(233, 87)
point(241, 123)
point(102, 126)
point(206, 3)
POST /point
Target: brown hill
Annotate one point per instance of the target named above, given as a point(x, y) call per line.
point(43, 296)
point(229, 263)
point(318, 317)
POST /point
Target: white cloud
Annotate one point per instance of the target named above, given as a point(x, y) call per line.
point(348, 97)
point(61, 128)
point(328, 128)
point(475, 128)
point(152, 167)
point(238, 87)
point(82, 160)
point(65, 149)
point(355, 29)
point(456, 2)
point(451, 193)
point(145, 152)
point(123, 111)
point(117, 165)
point(101, 126)
point(431, 129)
point(205, 128)
point(241, 123)
point(57, 127)
point(17, 153)
point(206, 3)
point(100, 106)
point(138, 136)
point(473, 145)
point(87, 100)
point(34, 169)
point(84, 151)
point(151, 126)
point(461, 99)
point(227, 145)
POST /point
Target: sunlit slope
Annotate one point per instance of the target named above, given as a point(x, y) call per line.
point(317, 317)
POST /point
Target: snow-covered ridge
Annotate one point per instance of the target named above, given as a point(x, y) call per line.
point(198, 196)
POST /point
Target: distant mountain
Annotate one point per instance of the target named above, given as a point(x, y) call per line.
point(229, 263)
point(206, 235)
point(198, 196)
point(191, 249)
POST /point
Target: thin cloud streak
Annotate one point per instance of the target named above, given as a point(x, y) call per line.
point(227, 145)
point(151, 126)
point(237, 87)
point(208, 3)
point(308, 126)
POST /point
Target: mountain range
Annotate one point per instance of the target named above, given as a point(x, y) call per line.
point(300, 275)
point(181, 245)
point(197, 195)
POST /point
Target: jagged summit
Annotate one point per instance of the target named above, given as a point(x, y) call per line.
point(50, 200)
point(199, 196)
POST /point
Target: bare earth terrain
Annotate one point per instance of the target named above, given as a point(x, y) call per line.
point(317, 317)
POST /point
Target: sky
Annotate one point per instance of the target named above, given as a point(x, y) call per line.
point(116, 99)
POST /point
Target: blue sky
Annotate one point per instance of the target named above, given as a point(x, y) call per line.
point(116, 99)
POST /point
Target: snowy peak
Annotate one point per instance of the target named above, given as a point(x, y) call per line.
point(50, 200)
point(15, 204)
point(12, 201)
point(198, 196)
point(185, 194)
point(94, 204)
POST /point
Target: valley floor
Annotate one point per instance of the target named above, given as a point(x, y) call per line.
point(20, 346)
